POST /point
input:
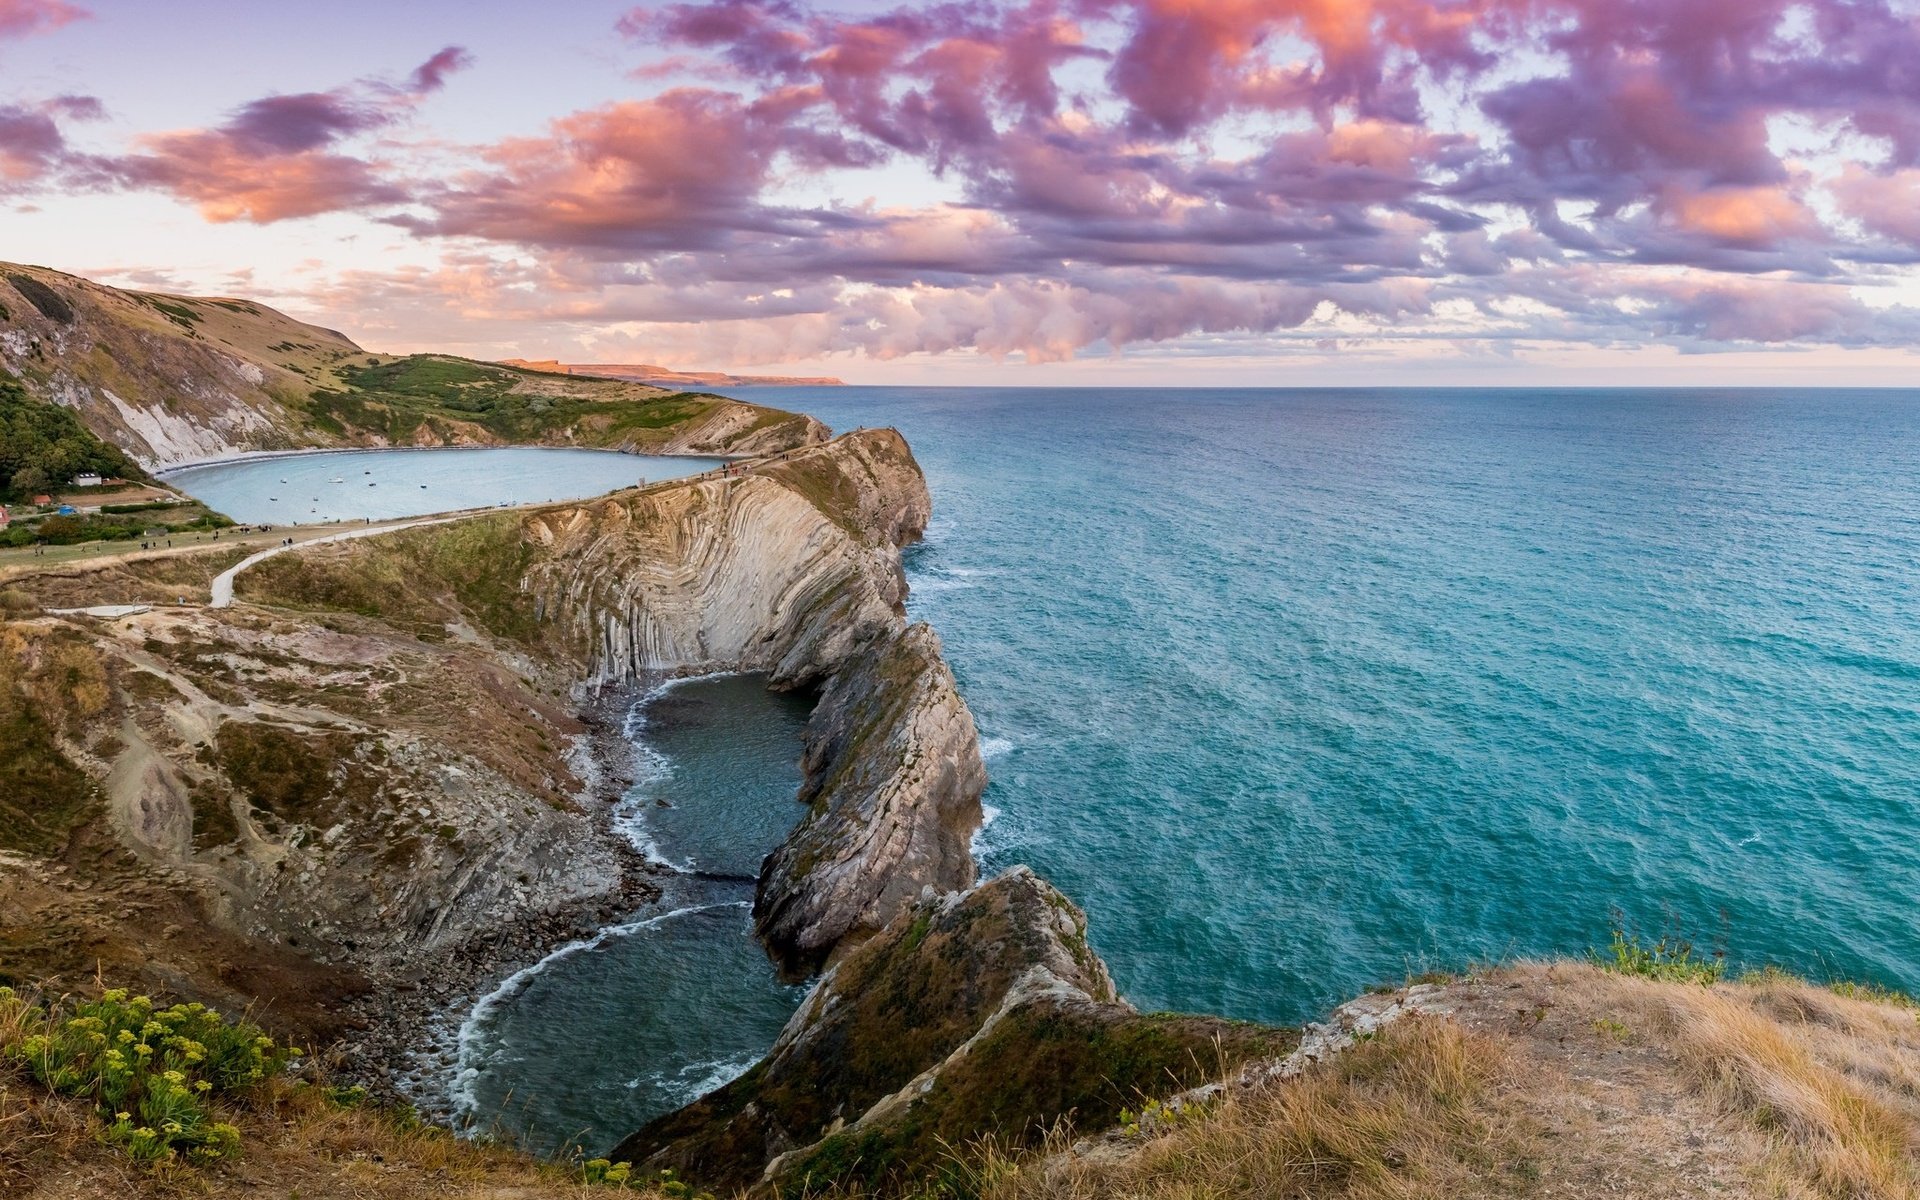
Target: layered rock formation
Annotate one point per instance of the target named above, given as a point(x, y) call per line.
point(375, 768)
point(974, 1014)
point(794, 570)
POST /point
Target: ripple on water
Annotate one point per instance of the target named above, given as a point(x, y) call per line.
point(610, 1031)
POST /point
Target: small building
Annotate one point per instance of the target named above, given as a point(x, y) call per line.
point(88, 480)
point(42, 501)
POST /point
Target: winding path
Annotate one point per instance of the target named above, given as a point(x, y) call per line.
point(223, 582)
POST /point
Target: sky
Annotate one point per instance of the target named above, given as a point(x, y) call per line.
point(1038, 192)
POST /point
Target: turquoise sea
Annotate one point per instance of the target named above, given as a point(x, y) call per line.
point(1301, 691)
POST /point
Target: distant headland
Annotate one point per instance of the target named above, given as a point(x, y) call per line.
point(667, 377)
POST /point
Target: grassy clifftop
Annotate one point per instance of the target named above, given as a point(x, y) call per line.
point(168, 378)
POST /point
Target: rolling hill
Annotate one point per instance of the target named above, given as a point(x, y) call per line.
point(172, 379)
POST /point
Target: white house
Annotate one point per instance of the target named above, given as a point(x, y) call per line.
point(87, 480)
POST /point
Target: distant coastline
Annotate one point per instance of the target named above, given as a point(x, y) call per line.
point(667, 376)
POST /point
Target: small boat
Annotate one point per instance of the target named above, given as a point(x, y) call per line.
point(336, 480)
point(423, 487)
point(275, 499)
point(373, 485)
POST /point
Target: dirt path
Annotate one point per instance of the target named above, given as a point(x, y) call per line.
point(223, 583)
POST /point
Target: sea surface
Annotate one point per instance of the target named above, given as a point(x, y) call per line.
point(1301, 691)
point(1297, 692)
point(354, 485)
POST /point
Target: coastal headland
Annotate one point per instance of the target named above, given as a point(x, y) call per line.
point(384, 776)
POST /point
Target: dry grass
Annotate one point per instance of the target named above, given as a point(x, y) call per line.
point(299, 1137)
point(1412, 1112)
point(1551, 1080)
point(296, 1142)
point(1832, 1081)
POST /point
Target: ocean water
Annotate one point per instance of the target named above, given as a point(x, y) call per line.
point(354, 485)
point(589, 1044)
point(1301, 691)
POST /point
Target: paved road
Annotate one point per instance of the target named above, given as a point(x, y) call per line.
point(223, 583)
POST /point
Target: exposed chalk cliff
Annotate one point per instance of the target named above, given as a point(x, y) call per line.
point(367, 762)
point(975, 1013)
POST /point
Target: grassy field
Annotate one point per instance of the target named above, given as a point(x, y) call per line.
point(401, 398)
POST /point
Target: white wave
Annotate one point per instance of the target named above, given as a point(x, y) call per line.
point(978, 846)
point(694, 1080)
point(630, 814)
point(471, 1048)
point(995, 747)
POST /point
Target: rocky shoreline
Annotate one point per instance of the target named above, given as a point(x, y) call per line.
point(404, 1034)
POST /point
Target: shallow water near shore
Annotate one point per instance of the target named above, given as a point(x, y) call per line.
point(605, 1034)
point(355, 485)
point(1301, 691)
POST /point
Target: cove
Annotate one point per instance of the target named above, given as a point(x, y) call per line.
point(379, 485)
point(607, 1033)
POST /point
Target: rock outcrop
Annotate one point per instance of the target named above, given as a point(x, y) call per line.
point(892, 786)
point(974, 1014)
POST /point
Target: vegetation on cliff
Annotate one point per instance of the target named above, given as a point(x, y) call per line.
point(42, 446)
point(440, 398)
point(984, 1015)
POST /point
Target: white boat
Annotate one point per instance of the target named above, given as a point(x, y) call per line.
point(336, 480)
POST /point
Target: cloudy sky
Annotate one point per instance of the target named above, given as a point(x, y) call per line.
point(1028, 191)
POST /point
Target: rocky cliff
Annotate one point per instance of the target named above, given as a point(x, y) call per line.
point(981, 1013)
point(173, 379)
point(794, 569)
point(371, 763)
point(791, 567)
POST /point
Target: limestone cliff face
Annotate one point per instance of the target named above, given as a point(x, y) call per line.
point(975, 1013)
point(349, 793)
point(893, 783)
point(794, 570)
point(749, 573)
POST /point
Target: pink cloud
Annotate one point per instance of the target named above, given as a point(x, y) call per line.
point(1886, 204)
point(22, 18)
point(276, 158)
point(1118, 171)
point(672, 172)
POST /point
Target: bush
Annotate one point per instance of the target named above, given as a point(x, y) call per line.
point(1670, 958)
point(153, 1074)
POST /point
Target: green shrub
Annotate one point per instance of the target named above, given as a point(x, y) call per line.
point(1671, 958)
point(622, 1175)
point(153, 1074)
